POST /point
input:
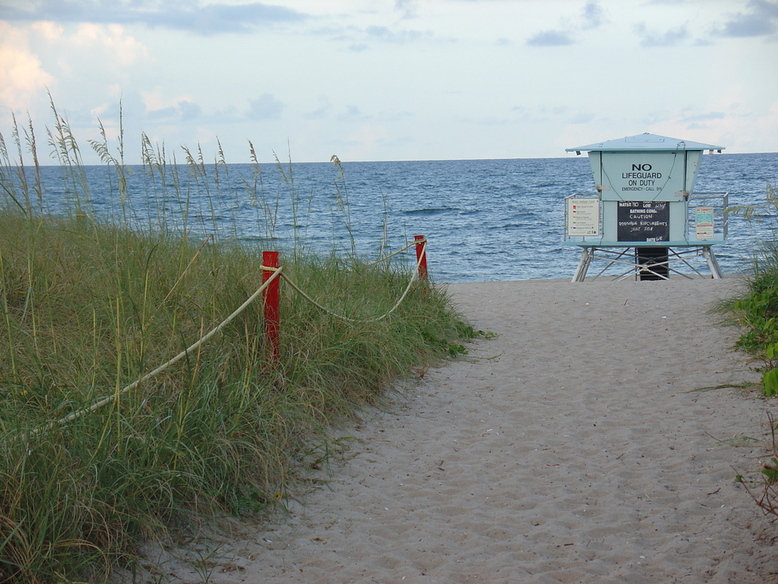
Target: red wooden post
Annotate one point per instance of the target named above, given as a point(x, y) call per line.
point(272, 298)
point(421, 255)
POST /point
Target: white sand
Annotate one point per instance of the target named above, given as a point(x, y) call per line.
point(571, 448)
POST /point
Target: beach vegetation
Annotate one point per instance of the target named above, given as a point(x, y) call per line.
point(757, 309)
point(764, 489)
point(756, 312)
point(94, 463)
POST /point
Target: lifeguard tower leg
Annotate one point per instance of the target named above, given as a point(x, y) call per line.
point(583, 265)
point(713, 263)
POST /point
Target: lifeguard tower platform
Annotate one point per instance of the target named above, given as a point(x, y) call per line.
point(645, 202)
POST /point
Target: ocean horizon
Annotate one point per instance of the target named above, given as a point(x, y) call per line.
point(485, 220)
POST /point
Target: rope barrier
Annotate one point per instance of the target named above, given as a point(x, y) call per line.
point(106, 400)
point(410, 245)
point(276, 273)
point(414, 276)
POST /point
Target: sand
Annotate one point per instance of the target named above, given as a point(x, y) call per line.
point(572, 447)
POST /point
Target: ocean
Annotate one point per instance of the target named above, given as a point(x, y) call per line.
point(485, 220)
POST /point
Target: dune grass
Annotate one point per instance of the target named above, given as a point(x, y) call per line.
point(91, 304)
point(757, 310)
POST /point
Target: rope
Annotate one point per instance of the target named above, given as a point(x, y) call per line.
point(276, 274)
point(414, 275)
point(423, 240)
point(106, 400)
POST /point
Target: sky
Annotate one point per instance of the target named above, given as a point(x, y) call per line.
point(389, 79)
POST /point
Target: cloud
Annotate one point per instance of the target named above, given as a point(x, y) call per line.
point(592, 17)
point(358, 39)
point(321, 112)
point(265, 107)
point(368, 135)
point(50, 31)
point(181, 109)
point(22, 75)
point(669, 38)
point(188, 110)
point(408, 8)
point(700, 121)
point(112, 38)
point(550, 38)
point(581, 118)
point(762, 20)
point(485, 121)
point(207, 19)
point(383, 33)
point(351, 113)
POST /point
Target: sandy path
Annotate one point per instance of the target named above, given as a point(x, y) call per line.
point(571, 448)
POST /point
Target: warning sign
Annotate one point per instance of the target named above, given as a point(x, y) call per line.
point(643, 221)
point(583, 217)
point(703, 222)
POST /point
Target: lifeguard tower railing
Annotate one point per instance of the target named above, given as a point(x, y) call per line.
point(706, 226)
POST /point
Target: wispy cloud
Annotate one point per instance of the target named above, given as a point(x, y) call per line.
point(668, 38)
point(591, 17)
point(551, 38)
point(265, 107)
point(183, 111)
point(351, 112)
point(760, 20)
point(320, 112)
point(407, 8)
point(703, 121)
point(581, 118)
point(161, 109)
point(207, 19)
point(359, 38)
point(385, 34)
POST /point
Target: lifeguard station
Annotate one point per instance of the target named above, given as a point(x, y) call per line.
point(645, 201)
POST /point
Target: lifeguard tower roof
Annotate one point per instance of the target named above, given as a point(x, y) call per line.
point(644, 142)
